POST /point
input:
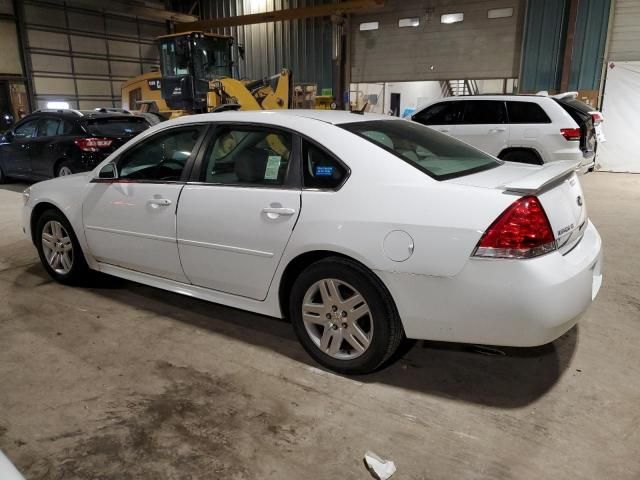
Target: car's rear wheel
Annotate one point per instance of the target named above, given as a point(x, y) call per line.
point(64, 169)
point(58, 248)
point(344, 317)
point(3, 177)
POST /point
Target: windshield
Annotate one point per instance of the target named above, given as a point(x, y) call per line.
point(431, 152)
point(116, 127)
point(211, 58)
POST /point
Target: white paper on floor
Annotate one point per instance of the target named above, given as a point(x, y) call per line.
point(382, 469)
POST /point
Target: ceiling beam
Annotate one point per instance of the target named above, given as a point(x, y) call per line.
point(325, 10)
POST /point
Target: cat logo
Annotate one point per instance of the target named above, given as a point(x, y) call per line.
point(579, 201)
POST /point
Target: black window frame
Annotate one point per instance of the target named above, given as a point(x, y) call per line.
point(507, 102)
point(449, 102)
point(292, 177)
point(505, 119)
point(330, 154)
point(188, 166)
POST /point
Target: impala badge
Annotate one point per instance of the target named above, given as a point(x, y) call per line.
point(579, 200)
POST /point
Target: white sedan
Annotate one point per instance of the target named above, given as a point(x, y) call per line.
point(361, 229)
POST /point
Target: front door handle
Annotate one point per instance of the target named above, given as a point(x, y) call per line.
point(497, 130)
point(444, 130)
point(273, 212)
point(159, 202)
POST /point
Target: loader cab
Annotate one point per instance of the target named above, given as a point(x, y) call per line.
point(188, 62)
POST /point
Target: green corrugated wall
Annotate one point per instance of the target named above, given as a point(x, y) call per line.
point(544, 43)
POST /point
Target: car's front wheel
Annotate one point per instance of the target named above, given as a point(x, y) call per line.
point(58, 248)
point(344, 316)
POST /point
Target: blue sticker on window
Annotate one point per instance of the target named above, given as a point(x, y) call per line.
point(324, 171)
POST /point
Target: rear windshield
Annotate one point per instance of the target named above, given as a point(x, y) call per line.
point(577, 104)
point(578, 110)
point(116, 126)
point(431, 152)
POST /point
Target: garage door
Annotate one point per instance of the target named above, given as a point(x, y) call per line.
point(436, 40)
point(620, 108)
point(82, 56)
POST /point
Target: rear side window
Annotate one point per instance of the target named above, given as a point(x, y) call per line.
point(48, 127)
point(484, 112)
point(320, 169)
point(438, 155)
point(248, 156)
point(116, 126)
point(66, 128)
point(445, 113)
point(526, 112)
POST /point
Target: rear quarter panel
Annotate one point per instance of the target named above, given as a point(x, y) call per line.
point(385, 194)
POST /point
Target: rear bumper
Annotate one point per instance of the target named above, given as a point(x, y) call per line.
point(502, 302)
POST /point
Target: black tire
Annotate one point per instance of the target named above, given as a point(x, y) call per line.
point(387, 332)
point(64, 165)
point(3, 177)
point(79, 273)
point(521, 156)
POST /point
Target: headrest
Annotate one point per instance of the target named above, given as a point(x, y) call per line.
point(251, 165)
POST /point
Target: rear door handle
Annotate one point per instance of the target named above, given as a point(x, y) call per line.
point(272, 212)
point(160, 202)
point(444, 130)
point(497, 130)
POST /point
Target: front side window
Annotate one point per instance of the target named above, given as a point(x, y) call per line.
point(320, 169)
point(161, 157)
point(48, 127)
point(26, 130)
point(445, 113)
point(484, 112)
point(247, 156)
point(438, 155)
point(526, 112)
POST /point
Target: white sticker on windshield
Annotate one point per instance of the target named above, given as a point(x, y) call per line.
point(273, 167)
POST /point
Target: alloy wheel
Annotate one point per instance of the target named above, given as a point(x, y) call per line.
point(57, 247)
point(64, 171)
point(337, 319)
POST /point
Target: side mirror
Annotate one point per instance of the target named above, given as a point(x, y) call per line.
point(8, 136)
point(109, 171)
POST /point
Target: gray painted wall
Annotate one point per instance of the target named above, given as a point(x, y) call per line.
point(476, 48)
point(625, 35)
point(82, 56)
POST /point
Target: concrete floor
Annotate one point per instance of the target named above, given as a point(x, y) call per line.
point(121, 381)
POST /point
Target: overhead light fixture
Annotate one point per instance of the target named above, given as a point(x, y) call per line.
point(500, 12)
point(452, 18)
point(409, 22)
point(58, 105)
point(366, 26)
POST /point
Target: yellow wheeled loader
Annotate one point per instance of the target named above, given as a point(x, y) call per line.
point(196, 77)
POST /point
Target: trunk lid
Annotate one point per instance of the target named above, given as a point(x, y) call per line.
point(555, 184)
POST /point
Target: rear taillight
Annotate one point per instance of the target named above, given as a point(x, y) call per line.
point(92, 144)
point(570, 133)
point(521, 231)
point(597, 117)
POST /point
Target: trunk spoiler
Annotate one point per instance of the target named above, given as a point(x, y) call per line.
point(545, 176)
